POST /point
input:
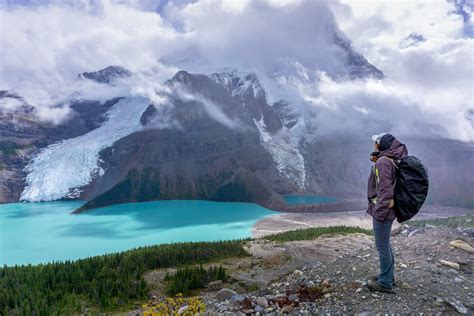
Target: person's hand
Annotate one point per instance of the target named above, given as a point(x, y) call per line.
point(374, 156)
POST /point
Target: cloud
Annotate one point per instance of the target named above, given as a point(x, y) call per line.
point(424, 49)
point(213, 110)
point(426, 54)
point(367, 106)
point(45, 47)
point(8, 104)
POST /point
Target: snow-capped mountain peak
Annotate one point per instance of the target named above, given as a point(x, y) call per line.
point(107, 75)
point(239, 83)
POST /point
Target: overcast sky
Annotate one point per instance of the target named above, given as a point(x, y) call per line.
point(425, 49)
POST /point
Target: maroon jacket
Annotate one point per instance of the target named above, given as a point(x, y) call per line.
point(382, 189)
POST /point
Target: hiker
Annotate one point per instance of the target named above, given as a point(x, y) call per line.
point(380, 192)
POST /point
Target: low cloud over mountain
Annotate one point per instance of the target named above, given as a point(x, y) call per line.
point(299, 49)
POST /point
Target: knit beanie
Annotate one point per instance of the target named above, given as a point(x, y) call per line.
point(386, 141)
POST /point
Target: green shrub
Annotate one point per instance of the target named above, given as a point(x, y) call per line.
point(189, 278)
point(314, 232)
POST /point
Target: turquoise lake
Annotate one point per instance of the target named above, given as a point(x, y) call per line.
point(43, 232)
point(308, 199)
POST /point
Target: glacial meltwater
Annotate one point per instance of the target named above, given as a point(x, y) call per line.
point(43, 232)
point(308, 199)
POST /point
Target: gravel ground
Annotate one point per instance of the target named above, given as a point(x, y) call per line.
point(329, 276)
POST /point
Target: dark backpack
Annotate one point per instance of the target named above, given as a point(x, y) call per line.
point(411, 187)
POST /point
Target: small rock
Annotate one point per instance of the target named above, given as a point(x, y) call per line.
point(327, 295)
point(262, 301)
point(326, 281)
point(461, 245)
point(224, 294)
point(402, 265)
point(293, 297)
point(258, 309)
point(457, 305)
point(414, 232)
point(469, 231)
point(429, 226)
point(458, 280)
point(237, 298)
point(298, 272)
point(359, 290)
point(450, 264)
point(247, 311)
point(286, 309)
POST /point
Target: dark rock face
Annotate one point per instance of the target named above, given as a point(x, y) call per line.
point(20, 134)
point(357, 64)
point(287, 117)
point(148, 115)
point(205, 161)
point(107, 75)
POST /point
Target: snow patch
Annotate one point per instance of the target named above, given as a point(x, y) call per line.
point(60, 169)
point(239, 82)
point(283, 147)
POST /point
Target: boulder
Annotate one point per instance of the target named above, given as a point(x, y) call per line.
point(225, 294)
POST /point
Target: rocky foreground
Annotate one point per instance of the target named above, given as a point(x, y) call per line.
point(329, 275)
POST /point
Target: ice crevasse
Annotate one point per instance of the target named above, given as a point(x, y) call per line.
point(59, 169)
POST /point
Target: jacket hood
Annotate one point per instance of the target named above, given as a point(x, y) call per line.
point(397, 150)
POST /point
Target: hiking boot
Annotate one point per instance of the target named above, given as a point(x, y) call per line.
point(377, 287)
point(375, 278)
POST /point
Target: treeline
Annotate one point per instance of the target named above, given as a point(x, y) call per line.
point(314, 232)
point(189, 278)
point(103, 282)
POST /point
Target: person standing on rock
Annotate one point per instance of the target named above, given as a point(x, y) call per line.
point(380, 192)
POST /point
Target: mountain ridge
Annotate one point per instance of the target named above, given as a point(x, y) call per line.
point(274, 145)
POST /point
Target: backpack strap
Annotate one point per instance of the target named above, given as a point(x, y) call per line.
point(391, 160)
point(377, 171)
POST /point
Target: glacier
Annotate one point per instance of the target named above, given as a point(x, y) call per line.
point(283, 147)
point(59, 170)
